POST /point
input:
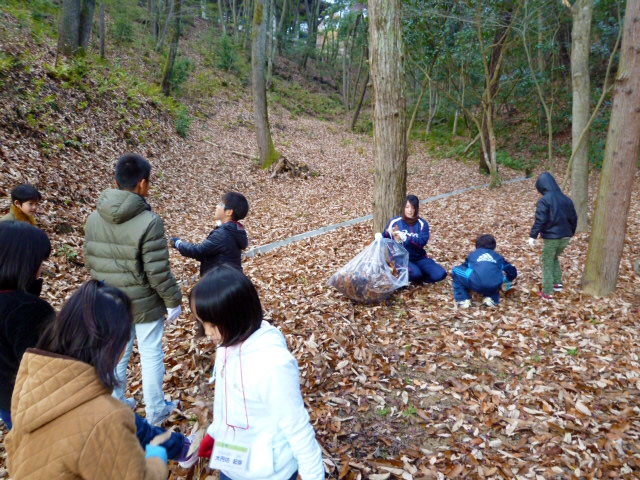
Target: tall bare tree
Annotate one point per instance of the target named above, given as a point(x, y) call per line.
point(268, 153)
point(581, 11)
point(619, 167)
point(389, 138)
point(492, 56)
point(173, 48)
point(76, 21)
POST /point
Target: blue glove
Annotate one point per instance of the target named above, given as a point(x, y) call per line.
point(156, 451)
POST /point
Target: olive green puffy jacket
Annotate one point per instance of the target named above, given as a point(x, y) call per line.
point(126, 247)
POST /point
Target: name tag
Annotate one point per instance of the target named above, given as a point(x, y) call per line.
point(229, 456)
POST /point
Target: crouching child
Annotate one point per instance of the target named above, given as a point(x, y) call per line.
point(484, 271)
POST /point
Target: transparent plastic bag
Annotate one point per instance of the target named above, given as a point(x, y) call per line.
point(374, 273)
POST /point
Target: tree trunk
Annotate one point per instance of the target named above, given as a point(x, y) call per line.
point(390, 146)
point(160, 38)
point(347, 63)
point(271, 43)
point(103, 30)
point(434, 102)
point(173, 49)
point(356, 113)
point(414, 114)
point(234, 19)
point(223, 22)
point(492, 70)
point(203, 10)
point(619, 167)
point(76, 21)
point(544, 105)
point(454, 130)
point(268, 153)
point(359, 73)
point(313, 11)
point(248, 10)
point(278, 36)
point(582, 12)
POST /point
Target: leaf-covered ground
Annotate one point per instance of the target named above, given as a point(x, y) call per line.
point(412, 388)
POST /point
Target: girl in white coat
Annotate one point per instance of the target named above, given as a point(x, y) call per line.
point(260, 426)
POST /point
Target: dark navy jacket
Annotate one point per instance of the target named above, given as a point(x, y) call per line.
point(417, 236)
point(484, 268)
point(556, 216)
point(223, 245)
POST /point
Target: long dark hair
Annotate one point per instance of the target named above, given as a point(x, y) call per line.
point(93, 326)
point(23, 248)
point(226, 298)
point(415, 203)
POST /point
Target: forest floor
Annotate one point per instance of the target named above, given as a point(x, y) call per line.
point(410, 388)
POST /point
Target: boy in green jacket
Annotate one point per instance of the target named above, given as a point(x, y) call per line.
point(126, 247)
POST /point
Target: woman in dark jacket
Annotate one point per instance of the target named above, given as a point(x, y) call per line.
point(23, 315)
point(412, 231)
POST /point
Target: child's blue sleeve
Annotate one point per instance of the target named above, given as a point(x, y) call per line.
point(509, 270)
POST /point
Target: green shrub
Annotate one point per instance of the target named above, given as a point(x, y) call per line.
point(7, 63)
point(504, 158)
point(182, 68)
point(183, 122)
point(300, 101)
point(227, 54)
point(122, 30)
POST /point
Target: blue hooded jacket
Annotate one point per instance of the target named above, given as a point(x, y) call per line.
point(556, 215)
point(484, 268)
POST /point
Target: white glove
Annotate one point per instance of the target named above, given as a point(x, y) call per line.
point(403, 236)
point(173, 313)
point(532, 242)
point(378, 236)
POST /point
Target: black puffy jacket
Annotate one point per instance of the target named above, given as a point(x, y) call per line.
point(556, 216)
point(223, 245)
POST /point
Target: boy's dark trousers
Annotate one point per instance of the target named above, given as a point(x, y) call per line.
point(462, 284)
point(551, 269)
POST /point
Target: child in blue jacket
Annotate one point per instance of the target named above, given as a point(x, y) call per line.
point(484, 272)
point(413, 232)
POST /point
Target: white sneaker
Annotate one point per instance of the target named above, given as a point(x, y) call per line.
point(488, 302)
point(191, 455)
point(464, 304)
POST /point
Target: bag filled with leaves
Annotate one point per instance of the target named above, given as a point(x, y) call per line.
point(374, 273)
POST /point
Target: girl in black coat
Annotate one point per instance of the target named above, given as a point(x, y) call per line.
point(23, 314)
